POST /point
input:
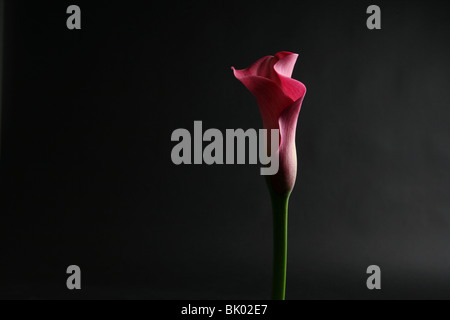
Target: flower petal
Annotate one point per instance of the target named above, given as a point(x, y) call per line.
point(262, 68)
point(279, 99)
point(292, 88)
point(269, 95)
point(285, 62)
point(283, 68)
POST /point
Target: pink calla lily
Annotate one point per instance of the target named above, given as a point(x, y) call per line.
point(279, 99)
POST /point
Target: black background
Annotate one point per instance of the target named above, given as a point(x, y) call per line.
point(87, 177)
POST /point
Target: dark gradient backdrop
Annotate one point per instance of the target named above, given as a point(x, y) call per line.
point(87, 177)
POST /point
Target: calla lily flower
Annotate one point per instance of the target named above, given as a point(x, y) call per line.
point(279, 99)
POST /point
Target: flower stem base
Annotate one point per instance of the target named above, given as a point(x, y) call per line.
point(280, 227)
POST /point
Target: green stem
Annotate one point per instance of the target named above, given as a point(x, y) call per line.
point(280, 227)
